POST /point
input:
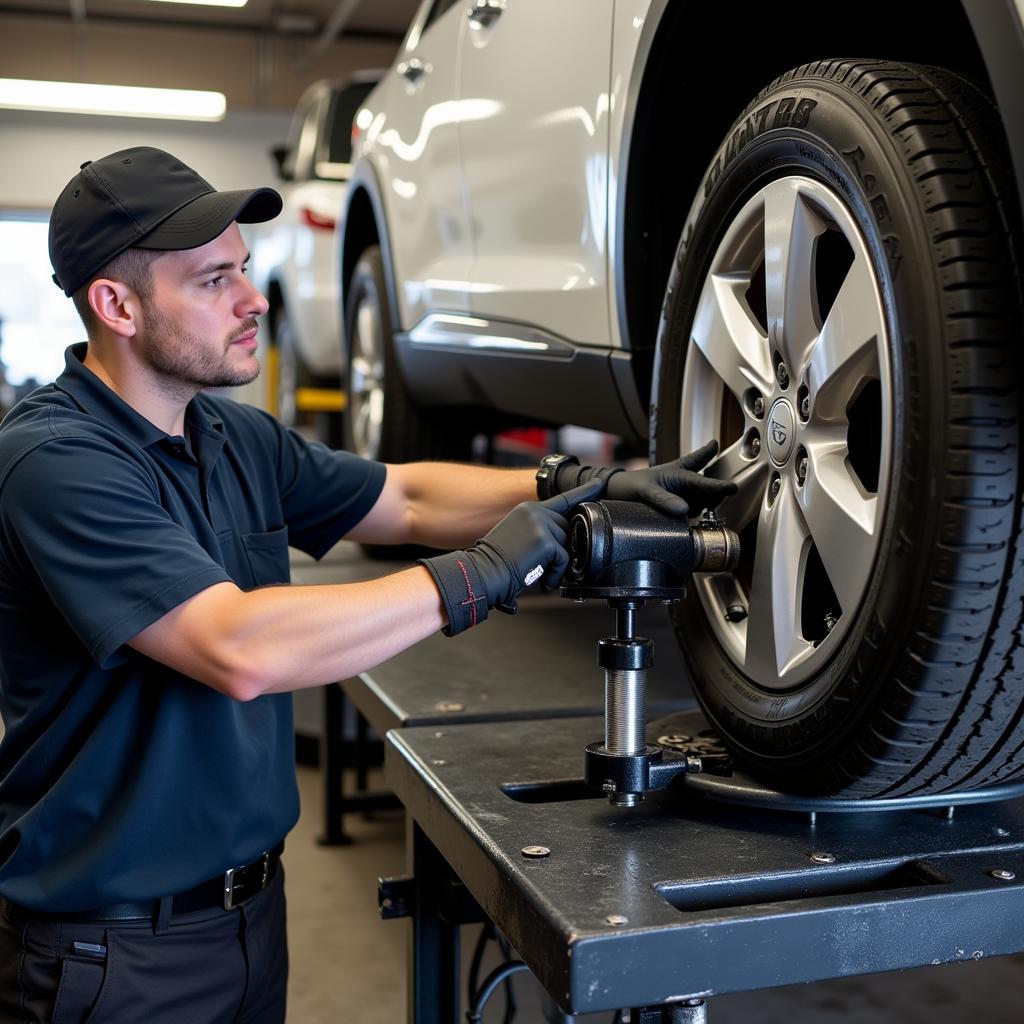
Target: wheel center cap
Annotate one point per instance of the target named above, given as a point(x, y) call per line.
point(781, 431)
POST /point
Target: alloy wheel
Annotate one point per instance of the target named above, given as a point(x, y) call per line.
point(789, 366)
point(366, 378)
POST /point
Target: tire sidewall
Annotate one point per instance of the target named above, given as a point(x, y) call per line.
point(834, 139)
point(367, 278)
point(287, 355)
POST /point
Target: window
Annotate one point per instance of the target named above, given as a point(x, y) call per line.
point(37, 321)
point(344, 104)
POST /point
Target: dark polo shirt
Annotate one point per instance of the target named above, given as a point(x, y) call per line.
point(121, 779)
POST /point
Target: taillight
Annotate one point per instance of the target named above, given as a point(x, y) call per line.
point(312, 219)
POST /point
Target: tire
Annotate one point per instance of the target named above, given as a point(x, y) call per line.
point(380, 420)
point(870, 642)
point(292, 372)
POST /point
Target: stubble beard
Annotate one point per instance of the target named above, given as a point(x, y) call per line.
point(186, 362)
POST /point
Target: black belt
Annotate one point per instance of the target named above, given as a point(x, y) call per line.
point(229, 890)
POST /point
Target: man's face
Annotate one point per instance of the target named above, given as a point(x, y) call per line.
point(199, 325)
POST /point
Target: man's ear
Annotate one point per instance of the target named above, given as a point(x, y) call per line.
point(116, 306)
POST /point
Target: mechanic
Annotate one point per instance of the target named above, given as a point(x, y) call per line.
point(147, 645)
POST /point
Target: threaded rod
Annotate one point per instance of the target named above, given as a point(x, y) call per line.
point(625, 711)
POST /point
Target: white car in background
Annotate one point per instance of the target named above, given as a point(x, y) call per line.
point(295, 256)
point(796, 233)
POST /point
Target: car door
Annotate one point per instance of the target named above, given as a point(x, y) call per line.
point(416, 150)
point(535, 159)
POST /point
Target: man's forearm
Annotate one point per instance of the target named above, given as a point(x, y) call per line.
point(279, 639)
point(445, 505)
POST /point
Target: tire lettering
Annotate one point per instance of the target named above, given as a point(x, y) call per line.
point(856, 157)
point(802, 114)
point(782, 114)
point(893, 253)
point(776, 709)
point(790, 112)
point(713, 175)
point(880, 208)
point(762, 116)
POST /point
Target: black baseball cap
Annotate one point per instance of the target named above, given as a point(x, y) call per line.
point(141, 197)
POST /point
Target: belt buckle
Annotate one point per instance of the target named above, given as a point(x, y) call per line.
point(229, 881)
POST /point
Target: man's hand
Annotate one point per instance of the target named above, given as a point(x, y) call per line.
point(527, 546)
point(672, 488)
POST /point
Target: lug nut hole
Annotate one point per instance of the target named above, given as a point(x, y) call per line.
point(752, 445)
point(803, 403)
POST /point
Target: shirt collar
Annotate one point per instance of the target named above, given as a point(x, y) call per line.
point(97, 399)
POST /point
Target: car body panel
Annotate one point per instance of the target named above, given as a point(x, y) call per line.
point(542, 249)
point(302, 261)
point(634, 28)
point(295, 256)
point(412, 134)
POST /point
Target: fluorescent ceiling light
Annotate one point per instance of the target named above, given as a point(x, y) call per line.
point(210, 3)
point(116, 100)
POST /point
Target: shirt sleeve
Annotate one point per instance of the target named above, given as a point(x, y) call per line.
point(84, 521)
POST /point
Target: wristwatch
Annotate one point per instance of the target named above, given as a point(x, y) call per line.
point(547, 472)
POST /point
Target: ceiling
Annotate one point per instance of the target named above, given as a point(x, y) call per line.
point(386, 18)
point(261, 56)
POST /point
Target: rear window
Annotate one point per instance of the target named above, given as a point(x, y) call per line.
point(344, 105)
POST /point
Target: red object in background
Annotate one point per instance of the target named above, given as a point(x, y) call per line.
point(315, 220)
point(537, 438)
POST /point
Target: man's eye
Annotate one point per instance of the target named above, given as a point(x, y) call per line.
point(215, 282)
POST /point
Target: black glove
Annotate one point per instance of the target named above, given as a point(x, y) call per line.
point(671, 487)
point(528, 545)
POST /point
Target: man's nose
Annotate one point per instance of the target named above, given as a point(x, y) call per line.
point(253, 302)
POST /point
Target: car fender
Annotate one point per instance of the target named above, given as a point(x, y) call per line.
point(363, 187)
point(998, 27)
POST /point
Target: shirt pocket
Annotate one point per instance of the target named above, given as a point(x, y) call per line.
point(267, 556)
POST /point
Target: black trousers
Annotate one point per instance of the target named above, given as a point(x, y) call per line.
point(209, 967)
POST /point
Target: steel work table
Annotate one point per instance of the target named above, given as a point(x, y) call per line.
point(540, 664)
point(684, 897)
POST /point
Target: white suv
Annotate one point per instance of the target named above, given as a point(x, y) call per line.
point(694, 220)
point(294, 257)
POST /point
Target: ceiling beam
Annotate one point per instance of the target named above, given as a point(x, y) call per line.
point(333, 28)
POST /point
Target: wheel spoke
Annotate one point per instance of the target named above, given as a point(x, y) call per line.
point(729, 337)
point(847, 350)
point(790, 229)
point(750, 476)
point(841, 519)
point(773, 643)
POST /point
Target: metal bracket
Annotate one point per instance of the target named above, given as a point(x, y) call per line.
point(395, 896)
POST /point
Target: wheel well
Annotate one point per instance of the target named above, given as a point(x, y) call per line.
point(701, 71)
point(360, 233)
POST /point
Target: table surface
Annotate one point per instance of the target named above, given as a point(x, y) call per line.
point(684, 896)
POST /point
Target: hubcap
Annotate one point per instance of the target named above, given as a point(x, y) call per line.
point(366, 378)
point(792, 285)
point(287, 373)
point(781, 422)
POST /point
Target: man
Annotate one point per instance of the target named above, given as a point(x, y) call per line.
point(146, 655)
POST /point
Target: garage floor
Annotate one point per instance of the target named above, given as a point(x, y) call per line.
point(348, 966)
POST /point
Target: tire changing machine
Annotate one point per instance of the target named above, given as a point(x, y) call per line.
point(691, 879)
